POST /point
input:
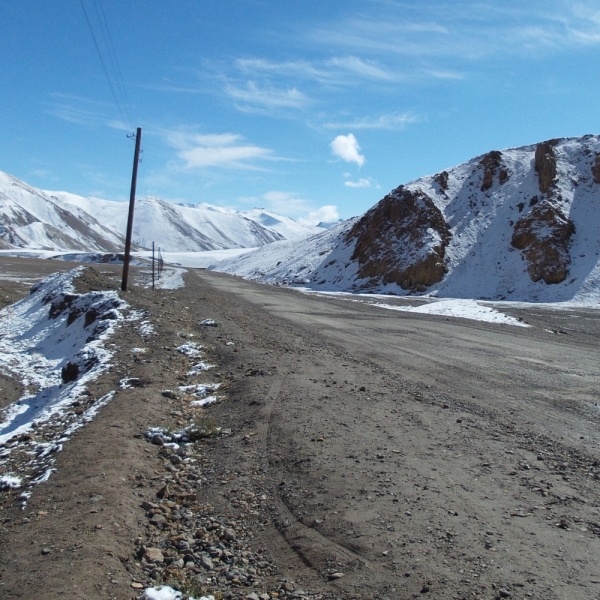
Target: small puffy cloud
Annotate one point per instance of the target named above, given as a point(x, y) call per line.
point(216, 150)
point(361, 183)
point(325, 214)
point(346, 147)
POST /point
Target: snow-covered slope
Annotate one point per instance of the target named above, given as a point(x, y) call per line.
point(521, 224)
point(31, 218)
point(288, 228)
point(176, 227)
point(287, 261)
point(37, 219)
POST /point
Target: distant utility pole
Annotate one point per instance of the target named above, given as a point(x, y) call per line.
point(136, 160)
point(152, 265)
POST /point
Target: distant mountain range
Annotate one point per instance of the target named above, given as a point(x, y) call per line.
point(516, 224)
point(31, 218)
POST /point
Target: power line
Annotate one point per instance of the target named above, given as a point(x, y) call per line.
point(113, 58)
point(118, 103)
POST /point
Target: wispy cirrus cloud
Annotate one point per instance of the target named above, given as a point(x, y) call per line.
point(226, 150)
point(339, 70)
point(467, 30)
point(386, 121)
point(88, 112)
point(253, 97)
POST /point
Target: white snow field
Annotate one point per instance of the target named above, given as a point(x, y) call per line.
point(54, 342)
point(480, 260)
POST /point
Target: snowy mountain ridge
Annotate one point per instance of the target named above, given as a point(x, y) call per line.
point(520, 224)
point(31, 218)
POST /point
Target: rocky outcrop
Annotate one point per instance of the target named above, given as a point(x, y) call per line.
point(545, 164)
point(596, 168)
point(442, 180)
point(544, 235)
point(401, 240)
point(492, 164)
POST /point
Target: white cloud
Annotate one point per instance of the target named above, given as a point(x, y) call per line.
point(119, 125)
point(285, 203)
point(216, 150)
point(253, 97)
point(361, 183)
point(343, 70)
point(369, 69)
point(346, 147)
point(291, 205)
point(471, 31)
point(388, 121)
point(325, 214)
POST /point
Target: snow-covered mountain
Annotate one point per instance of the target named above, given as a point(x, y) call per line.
point(37, 219)
point(520, 224)
point(288, 228)
point(31, 218)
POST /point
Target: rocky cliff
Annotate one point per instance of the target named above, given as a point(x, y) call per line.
point(521, 223)
point(401, 240)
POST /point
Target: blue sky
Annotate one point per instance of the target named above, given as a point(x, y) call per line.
point(295, 106)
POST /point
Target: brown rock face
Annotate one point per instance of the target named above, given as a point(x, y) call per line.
point(442, 180)
point(492, 163)
point(545, 164)
point(596, 168)
point(544, 235)
point(402, 240)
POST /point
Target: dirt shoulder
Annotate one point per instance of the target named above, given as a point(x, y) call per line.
point(352, 462)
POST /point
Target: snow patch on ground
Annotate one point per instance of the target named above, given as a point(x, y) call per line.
point(199, 367)
point(53, 341)
point(146, 328)
point(455, 307)
point(10, 482)
point(190, 349)
point(165, 592)
point(127, 383)
point(204, 401)
point(200, 389)
point(171, 279)
point(208, 323)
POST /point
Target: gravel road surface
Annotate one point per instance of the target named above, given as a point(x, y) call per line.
point(364, 453)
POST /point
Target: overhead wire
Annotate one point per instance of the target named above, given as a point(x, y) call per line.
point(114, 78)
point(123, 106)
point(108, 40)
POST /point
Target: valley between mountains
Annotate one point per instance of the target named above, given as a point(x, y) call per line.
point(351, 452)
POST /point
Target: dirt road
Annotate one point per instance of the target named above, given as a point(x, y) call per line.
point(371, 453)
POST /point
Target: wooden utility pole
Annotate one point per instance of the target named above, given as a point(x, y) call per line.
point(136, 160)
point(152, 265)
